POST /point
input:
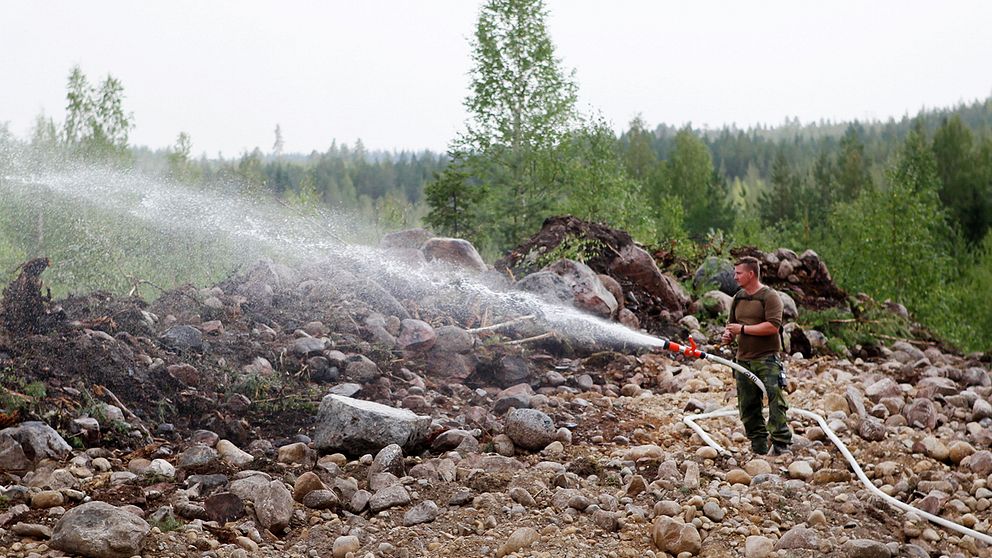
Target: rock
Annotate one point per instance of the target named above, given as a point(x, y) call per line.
point(455, 251)
point(293, 454)
point(47, 499)
point(979, 463)
point(713, 511)
point(855, 402)
point(37, 441)
point(99, 530)
point(865, 548)
point(32, 530)
point(959, 450)
point(800, 470)
point(12, 457)
point(588, 291)
point(223, 507)
point(638, 266)
point(522, 497)
point(718, 273)
point(322, 500)
point(389, 497)
point(886, 387)
point(233, 454)
point(872, 429)
point(453, 339)
point(530, 429)
point(274, 506)
point(798, 537)
point(183, 338)
point(910, 349)
point(614, 287)
point(161, 468)
point(307, 346)
point(738, 476)
point(935, 448)
point(512, 370)
point(424, 512)
point(547, 285)
point(675, 537)
point(691, 479)
point(503, 445)
point(716, 303)
point(520, 539)
point(305, 484)
point(921, 413)
point(345, 545)
point(757, 467)
point(197, 457)
point(361, 369)
point(980, 410)
point(790, 311)
point(416, 335)
point(628, 318)
point(409, 238)
point(249, 487)
point(757, 546)
point(358, 426)
point(388, 460)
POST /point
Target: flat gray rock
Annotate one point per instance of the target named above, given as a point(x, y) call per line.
point(355, 426)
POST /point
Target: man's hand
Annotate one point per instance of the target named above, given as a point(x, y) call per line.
point(727, 337)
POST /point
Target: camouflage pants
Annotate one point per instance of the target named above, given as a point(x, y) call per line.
point(749, 404)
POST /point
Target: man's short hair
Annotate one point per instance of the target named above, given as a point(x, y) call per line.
point(752, 264)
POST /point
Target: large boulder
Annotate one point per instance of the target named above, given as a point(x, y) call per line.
point(455, 251)
point(716, 272)
point(590, 293)
point(100, 530)
point(716, 303)
point(410, 238)
point(355, 426)
point(548, 285)
point(37, 441)
point(637, 266)
point(789, 309)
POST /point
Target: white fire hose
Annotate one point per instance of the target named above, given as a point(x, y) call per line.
point(690, 421)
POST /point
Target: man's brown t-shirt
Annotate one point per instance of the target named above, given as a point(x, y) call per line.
point(750, 311)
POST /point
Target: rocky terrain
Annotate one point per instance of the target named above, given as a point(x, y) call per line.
point(321, 410)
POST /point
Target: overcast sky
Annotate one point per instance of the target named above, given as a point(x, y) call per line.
point(394, 73)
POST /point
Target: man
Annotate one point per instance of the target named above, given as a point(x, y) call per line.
point(755, 319)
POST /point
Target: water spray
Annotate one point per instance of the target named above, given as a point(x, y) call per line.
point(691, 351)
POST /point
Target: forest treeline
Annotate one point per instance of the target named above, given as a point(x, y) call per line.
point(900, 209)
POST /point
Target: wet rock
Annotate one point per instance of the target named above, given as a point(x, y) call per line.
point(183, 338)
point(675, 537)
point(389, 497)
point(454, 251)
point(409, 238)
point(547, 285)
point(416, 335)
point(358, 426)
point(798, 537)
point(589, 292)
point(274, 506)
point(424, 512)
point(100, 530)
point(638, 266)
point(453, 339)
point(530, 429)
point(522, 538)
point(614, 287)
point(865, 548)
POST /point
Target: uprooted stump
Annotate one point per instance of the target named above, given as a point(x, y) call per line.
point(24, 309)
